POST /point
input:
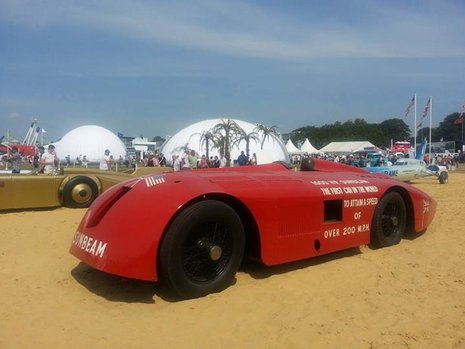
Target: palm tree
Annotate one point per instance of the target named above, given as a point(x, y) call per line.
point(225, 133)
point(205, 138)
point(246, 137)
point(266, 132)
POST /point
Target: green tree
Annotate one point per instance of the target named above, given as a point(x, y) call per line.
point(448, 130)
point(395, 129)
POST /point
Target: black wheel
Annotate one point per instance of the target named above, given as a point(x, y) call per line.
point(79, 192)
point(389, 221)
point(443, 177)
point(202, 249)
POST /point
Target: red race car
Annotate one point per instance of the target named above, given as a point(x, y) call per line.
point(191, 229)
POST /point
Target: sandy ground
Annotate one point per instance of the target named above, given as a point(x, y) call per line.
point(408, 296)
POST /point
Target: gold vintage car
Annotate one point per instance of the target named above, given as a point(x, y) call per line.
point(72, 187)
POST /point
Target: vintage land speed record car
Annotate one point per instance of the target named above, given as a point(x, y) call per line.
point(191, 229)
point(73, 187)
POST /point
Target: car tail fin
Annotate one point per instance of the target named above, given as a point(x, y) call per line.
point(99, 212)
point(421, 150)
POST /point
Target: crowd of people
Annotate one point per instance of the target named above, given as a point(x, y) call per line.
point(43, 161)
point(190, 160)
point(48, 162)
point(449, 160)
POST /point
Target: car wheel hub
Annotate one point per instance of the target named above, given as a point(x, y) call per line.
point(81, 193)
point(215, 253)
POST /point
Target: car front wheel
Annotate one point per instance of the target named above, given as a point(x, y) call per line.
point(202, 249)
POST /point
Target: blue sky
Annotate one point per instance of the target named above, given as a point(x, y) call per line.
point(154, 67)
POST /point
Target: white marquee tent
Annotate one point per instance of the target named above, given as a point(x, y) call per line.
point(292, 149)
point(308, 148)
point(346, 147)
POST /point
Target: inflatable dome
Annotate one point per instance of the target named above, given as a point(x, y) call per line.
point(190, 138)
point(91, 141)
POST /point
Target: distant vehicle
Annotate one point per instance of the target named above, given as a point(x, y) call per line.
point(406, 169)
point(401, 147)
point(23, 149)
point(76, 188)
point(371, 156)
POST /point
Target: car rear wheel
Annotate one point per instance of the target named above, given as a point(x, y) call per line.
point(202, 249)
point(389, 221)
point(80, 192)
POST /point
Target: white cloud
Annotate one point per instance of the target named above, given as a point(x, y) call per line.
point(239, 28)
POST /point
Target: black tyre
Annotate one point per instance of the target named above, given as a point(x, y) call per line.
point(79, 192)
point(443, 177)
point(202, 249)
point(389, 221)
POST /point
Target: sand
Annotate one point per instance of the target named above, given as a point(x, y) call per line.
point(408, 296)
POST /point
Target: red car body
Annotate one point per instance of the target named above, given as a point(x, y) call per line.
point(286, 215)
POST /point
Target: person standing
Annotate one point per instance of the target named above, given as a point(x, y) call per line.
point(40, 150)
point(203, 162)
point(185, 165)
point(223, 161)
point(14, 157)
point(106, 162)
point(49, 160)
point(242, 159)
point(193, 160)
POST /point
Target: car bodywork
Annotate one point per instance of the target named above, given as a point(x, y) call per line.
point(269, 212)
point(72, 187)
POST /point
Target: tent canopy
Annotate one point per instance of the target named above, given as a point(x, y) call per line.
point(346, 147)
point(308, 147)
point(292, 149)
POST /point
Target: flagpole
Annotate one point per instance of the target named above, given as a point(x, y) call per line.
point(430, 122)
point(415, 124)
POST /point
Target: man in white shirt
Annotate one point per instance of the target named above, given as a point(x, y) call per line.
point(49, 160)
point(106, 162)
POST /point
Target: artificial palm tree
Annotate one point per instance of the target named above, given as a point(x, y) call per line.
point(266, 132)
point(225, 133)
point(207, 137)
point(246, 137)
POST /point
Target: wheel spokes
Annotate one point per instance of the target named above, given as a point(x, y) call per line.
point(390, 220)
point(208, 252)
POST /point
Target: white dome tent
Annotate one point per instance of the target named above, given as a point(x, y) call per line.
point(90, 141)
point(190, 138)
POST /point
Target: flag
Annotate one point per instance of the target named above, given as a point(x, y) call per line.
point(419, 125)
point(412, 103)
point(458, 121)
point(463, 110)
point(425, 112)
